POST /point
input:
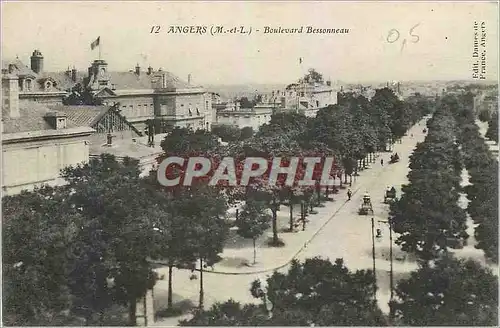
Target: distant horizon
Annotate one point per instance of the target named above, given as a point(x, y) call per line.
point(144, 69)
point(371, 41)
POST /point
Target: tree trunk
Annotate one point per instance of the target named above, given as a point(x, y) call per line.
point(291, 214)
point(345, 177)
point(201, 285)
point(88, 317)
point(254, 252)
point(132, 315)
point(101, 318)
point(275, 225)
point(318, 192)
point(169, 297)
point(237, 213)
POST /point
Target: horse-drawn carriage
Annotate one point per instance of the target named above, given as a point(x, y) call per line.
point(394, 158)
point(390, 195)
point(366, 206)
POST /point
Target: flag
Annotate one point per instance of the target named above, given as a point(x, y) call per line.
point(300, 60)
point(95, 44)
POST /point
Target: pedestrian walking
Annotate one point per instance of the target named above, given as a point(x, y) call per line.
point(382, 161)
point(349, 194)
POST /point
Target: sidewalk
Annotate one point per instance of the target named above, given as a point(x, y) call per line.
point(274, 258)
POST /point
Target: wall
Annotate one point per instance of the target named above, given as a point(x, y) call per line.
point(241, 120)
point(29, 163)
point(136, 108)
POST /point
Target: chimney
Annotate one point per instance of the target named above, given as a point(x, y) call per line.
point(73, 74)
point(189, 78)
point(163, 81)
point(150, 70)
point(329, 83)
point(137, 70)
point(57, 120)
point(37, 62)
point(10, 93)
point(399, 90)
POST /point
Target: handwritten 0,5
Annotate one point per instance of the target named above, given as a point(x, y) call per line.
point(394, 36)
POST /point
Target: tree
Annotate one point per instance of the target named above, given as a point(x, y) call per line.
point(204, 209)
point(451, 293)
point(182, 141)
point(326, 293)
point(229, 313)
point(227, 133)
point(246, 133)
point(427, 216)
point(81, 95)
point(124, 235)
point(288, 123)
point(38, 229)
point(252, 222)
point(492, 132)
point(315, 292)
point(245, 103)
point(484, 115)
point(313, 76)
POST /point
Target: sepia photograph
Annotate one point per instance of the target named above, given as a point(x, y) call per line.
point(249, 163)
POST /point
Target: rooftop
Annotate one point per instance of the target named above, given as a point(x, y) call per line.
point(82, 115)
point(31, 118)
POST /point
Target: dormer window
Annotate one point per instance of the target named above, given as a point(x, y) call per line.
point(197, 111)
point(190, 113)
point(28, 84)
point(61, 123)
point(48, 85)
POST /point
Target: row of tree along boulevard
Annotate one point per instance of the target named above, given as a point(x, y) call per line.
point(74, 252)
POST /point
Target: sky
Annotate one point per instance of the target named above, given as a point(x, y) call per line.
point(63, 31)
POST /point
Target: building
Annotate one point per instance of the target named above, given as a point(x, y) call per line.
point(305, 98)
point(144, 95)
point(254, 117)
point(37, 142)
point(35, 84)
point(114, 134)
point(107, 121)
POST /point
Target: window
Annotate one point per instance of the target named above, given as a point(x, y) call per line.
point(28, 85)
point(190, 113)
point(48, 85)
point(197, 111)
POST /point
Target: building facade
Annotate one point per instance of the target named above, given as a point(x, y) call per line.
point(245, 117)
point(305, 98)
point(34, 84)
point(144, 95)
point(37, 142)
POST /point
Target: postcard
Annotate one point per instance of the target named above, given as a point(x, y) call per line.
point(257, 163)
